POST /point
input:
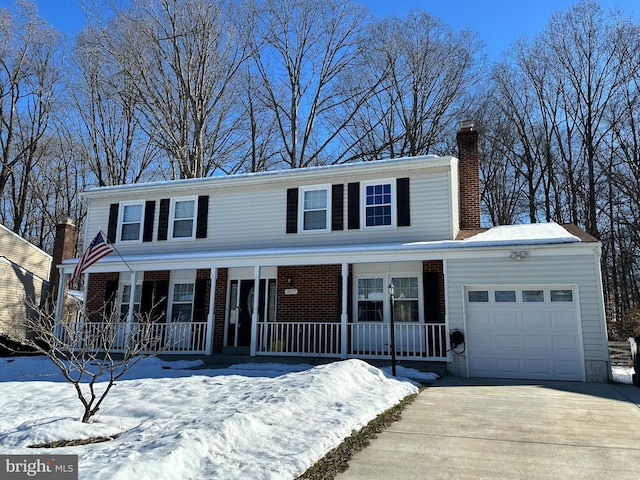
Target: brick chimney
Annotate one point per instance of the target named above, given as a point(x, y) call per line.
point(63, 248)
point(468, 172)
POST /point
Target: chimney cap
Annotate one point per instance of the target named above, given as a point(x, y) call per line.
point(467, 125)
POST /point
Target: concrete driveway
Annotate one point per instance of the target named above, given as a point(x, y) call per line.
point(486, 428)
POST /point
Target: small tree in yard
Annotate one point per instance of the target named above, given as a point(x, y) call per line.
point(92, 353)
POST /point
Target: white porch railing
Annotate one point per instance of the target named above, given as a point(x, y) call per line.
point(320, 339)
point(364, 340)
point(178, 337)
point(414, 341)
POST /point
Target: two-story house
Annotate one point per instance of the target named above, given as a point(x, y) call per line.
point(299, 262)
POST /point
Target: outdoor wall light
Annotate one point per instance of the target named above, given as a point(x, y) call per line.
point(519, 255)
point(290, 281)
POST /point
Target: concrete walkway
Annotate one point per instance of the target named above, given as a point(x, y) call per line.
point(484, 428)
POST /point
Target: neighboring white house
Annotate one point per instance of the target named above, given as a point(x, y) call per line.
point(24, 281)
point(298, 262)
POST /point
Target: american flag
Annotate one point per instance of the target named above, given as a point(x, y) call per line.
point(97, 249)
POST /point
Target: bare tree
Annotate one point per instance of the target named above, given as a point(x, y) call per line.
point(93, 355)
point(180, 58)
point(423, 72)
point(108, 123)
point(30, 68)
point(588, 49)
point(301, 49)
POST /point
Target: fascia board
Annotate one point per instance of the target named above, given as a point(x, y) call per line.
point(310, 256)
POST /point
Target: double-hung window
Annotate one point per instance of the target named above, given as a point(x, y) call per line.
point(125, 300)
point(315, 208)
point(406, 299)
point(182, 302)
point(183, 218)
point(379, 205)
point(130, 222)
point(371, 296)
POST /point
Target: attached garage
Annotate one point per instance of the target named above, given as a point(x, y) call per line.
point(529, 332)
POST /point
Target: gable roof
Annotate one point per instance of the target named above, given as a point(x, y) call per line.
point(403, 164)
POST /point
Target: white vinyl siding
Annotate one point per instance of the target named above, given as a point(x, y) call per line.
point(537, 269)
point(253, 215)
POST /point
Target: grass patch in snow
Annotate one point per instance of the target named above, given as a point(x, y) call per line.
point(337, 460)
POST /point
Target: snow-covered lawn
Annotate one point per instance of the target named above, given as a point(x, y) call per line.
point(249, 421)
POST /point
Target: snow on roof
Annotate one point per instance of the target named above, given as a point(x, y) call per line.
point(426, 161)
point(534, 232)
point(502, 236)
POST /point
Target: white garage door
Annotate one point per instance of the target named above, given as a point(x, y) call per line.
point(528, 333)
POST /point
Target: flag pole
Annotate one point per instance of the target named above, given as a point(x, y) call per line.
point(106, 239)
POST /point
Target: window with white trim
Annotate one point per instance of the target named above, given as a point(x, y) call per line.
point(125, 300)
point(182, 219)
point(371, 297)
point(406, 299)
point(182, 302)
point(379, 209)
point(315, 208)
point(130, 222)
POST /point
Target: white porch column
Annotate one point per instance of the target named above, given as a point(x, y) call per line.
point(256, 305)
point(210, 317)
point(132, 302)
point(343, 315)
point(62, 281)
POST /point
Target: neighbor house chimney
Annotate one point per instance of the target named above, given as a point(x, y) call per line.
point(63, 248)
point(469, 178)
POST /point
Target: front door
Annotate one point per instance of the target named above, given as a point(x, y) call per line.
point(241, 311)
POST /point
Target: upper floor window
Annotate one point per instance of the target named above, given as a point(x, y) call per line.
point(379, 204)
point(315, 208)
point(130, 222)
point(183, 218)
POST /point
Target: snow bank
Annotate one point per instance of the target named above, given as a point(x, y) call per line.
point(257, 421)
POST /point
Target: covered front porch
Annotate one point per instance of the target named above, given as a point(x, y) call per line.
point(304, 306)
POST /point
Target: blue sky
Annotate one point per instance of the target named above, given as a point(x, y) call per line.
point(498, 22)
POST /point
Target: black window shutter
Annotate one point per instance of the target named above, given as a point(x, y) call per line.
point(337, 207)
point(110, 296)
point(431, 286)
point(163, 220)
point(112, 227)
point(146, 298)
point(203, 216)
point(292, 210)
point(162, 292)
point(353, 205)
point(200, 300)
point(403, 204)
point(149, 212)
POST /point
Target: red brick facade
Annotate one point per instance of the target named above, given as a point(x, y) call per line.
point(64, 247)
point(318, 293)
point(468, 167)
point(219, 309)
point(96, 295)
